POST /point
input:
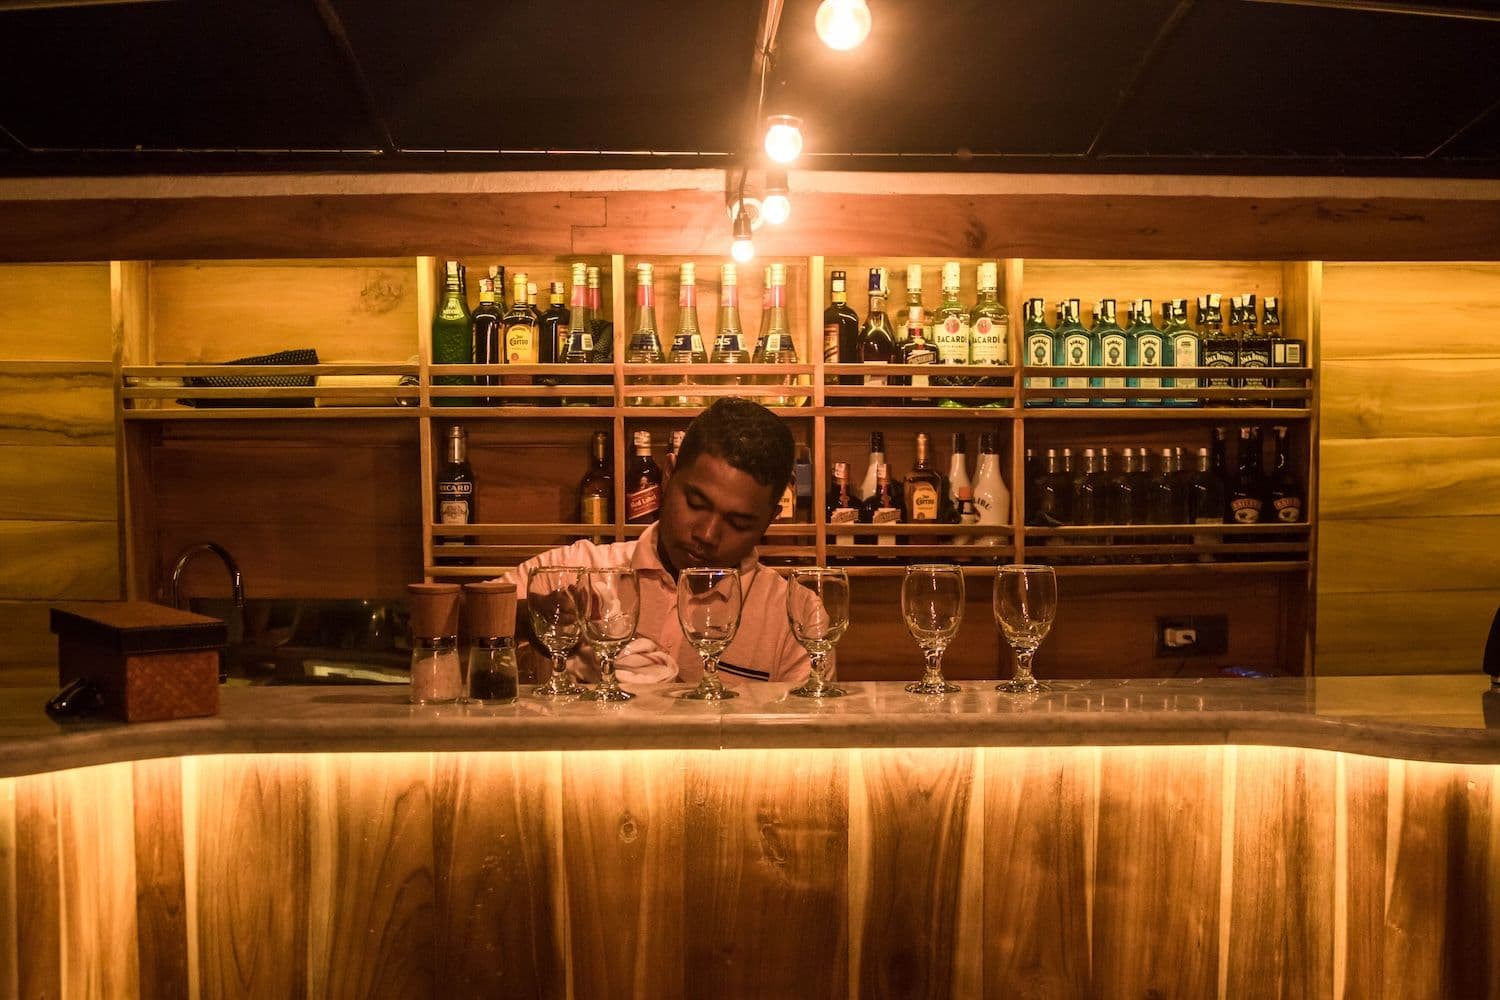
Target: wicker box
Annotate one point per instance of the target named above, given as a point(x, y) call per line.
point(150, 662)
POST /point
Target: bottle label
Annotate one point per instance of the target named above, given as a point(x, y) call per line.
point(843, 515)
point(687, 346)
point(788, 508)
point(1246, 510)
point(1149, 354)
point(1255, 355)
point(924, 502)
point(1216, 356)
point(1039, 354)
point(454, 512)
point(594, 510)
point(831, 343)
point(643, 503)
point(1112, 353)
point(520, 344)
point(1288, 509)
point(988, 347)
point(886, 515)
point(1286, 353)
point(582, 344)
point(877, 379)
point(952, 340)
point(1076, 355)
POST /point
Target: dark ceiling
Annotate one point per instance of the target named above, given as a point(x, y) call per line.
point(1202, 86)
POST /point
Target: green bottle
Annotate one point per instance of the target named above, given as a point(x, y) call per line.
point(452, 335)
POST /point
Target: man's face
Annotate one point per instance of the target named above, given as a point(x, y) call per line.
point(712, 514)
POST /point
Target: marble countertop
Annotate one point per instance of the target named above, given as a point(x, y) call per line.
point(1437, 718)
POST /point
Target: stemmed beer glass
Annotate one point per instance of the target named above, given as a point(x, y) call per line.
point(817, 606)
point(610, 619)
point(708, 606)
point(1025, 604)
point(932, 602)
point(556, 600)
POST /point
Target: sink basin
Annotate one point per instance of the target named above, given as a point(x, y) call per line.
point(290, 641)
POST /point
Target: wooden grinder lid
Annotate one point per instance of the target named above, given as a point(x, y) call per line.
point(491, 606)
point(434, 608)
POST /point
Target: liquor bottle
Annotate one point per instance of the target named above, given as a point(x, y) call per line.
point(1247, 495)
point(674, 445)
point(923, 489)
point(1078, 350)
point(1041, 347)
point(1053, 492)
point(1165, 503)
point(905, 315)
point(966, 514)
point(642, 483)
point(1285, 492)
point(497, 278)
point(1034, 468)
point(1087, 500)
point(1217, 348)
point(687, 346)
point(1206, 502)
point(840, 328)
point(580, 345)
point(455, 485)
point(776, 343)
point(729, 339)
point(802, 473)
point(452, 334)
point(1254, 347)
point(989, 341)
point(916, 348)
point(1109, 337)
point(951, 331)
point(843, 508)
point(958, 477)
point(877, 344)
point(596, 491)
point(521, 340)
point(758, 352)
point(881, 506)
point(1286, 352)
point(487, 334)
point(603, 329)
point(991, 497)
point(1181, 346)
point(1146, 347)
point(552, 336)
point(1125, 505)
point(877, 458)
point(645, 344)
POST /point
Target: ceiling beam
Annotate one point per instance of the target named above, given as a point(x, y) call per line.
point(1128, 92)
point(1395, 7)
point(1464, 130)
point(336, 31)
point(10, 5)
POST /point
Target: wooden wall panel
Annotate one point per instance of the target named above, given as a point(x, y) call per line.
point(624, 837)
point(96, 856)
point(1360, 951)
point(1410, 477)
point(160, 879)
point(55, 312)
point(1413, 554)
point(59, 560)
point(28, 652)
point(907, 853)
point(45, 483)
point(10, 893)
point(1403, 632)
point(39, 908)
point(1410, 398)
point(348, 311)
point(1410, 310)
point(52, 408)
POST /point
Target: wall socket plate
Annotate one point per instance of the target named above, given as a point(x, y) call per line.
point(1211, 635)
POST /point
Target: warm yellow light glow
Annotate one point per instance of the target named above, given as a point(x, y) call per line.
point(843, 24)
point(776, 209)
point(783, 138)
point(742, 250)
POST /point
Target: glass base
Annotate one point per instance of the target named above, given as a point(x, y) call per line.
point(709, 694)
point(601, 693)
point(938, 687)
point(1018, 685)
point(820, 690)
point(559, 686)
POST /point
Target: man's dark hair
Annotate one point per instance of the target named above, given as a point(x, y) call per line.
point(747, 436)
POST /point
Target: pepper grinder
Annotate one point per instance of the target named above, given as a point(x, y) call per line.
point(435, 675)
point(492, 678)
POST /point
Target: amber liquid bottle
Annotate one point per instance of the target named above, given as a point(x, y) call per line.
point(642, 483)
point(596, 491)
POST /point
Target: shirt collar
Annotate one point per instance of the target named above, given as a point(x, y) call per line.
point(645, 559)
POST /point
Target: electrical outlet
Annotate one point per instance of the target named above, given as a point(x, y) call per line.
point(1192, 635)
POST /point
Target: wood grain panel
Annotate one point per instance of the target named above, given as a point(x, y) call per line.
point(907, 830)
point(160, 882)
point(373, 922)
point(623, 827)
point(39, 909)
point(1410, 477)
point(1396, 310)
point(1441, 930)
point(28, 654)
point(497, 839)
point(1415, 554)
point(1365, 794)
point(53, 560)
point(249, 834)
point(767, 853)
point(55, 312)
point(10, 891)
point(1157, 873)
point(57, 410)
point(96, 856)
point(1439, 632)
point(1040, 816)
point(348, 312)
point(1406, 398)
point(1281, 917)
point(45, 483)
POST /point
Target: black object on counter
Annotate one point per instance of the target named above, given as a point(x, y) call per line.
point(1492, 652)
point(79, 698)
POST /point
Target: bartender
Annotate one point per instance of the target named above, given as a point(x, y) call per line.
point(734, 463)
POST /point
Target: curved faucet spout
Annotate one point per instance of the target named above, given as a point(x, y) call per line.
point(186, 556)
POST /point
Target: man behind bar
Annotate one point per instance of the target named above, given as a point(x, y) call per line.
point(734, 463)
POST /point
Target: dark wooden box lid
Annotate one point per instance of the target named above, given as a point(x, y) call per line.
point(137, 626)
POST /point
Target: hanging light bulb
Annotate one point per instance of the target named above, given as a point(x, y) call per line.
point(743, 247)
point(843, 24)
point(776, 208)
point(783, 138)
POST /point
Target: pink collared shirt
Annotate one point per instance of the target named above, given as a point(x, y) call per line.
point(763, 649)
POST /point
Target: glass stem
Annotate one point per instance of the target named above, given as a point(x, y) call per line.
point(1023, 665)
point(818, 661)
point(711, 671)
point(559, 666)
point(607, 672)
point(934, 673)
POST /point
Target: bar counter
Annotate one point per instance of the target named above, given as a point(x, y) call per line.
point(1213, 838)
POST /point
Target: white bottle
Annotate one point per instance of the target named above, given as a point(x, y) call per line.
point(958, 481)
point(991, 498)
point(877, 457)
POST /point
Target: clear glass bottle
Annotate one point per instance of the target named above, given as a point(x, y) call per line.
point(989, 338)
point(777, 347)
point(687, 345)
point(729, 339)
point(951, 332)
point(645, 343)
point(916, 346)
point(579, 349)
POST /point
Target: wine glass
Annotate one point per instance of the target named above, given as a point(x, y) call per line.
point(1025, 604)
point(932, 602)
point(817, 605)
point(555, 600)
point(708, 606)
point(609, 623)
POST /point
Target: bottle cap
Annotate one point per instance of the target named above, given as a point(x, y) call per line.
point(531, 289)
point(881, 472)
point(950, 276)
point(677, 437)
point(642, 439)
point(491, 609)
point(643, 274)
point(689, 273)
point(728, 275)
point(556, 288)
point(878, 283)
point(966, 493)
point(961, 443)
point(580, 273)
point(496, 271)
point(837, 278)
point(914, 277)
point(778, 274)
point(989, 276)
point(841, 470)
point(593, 276)
point(434, 609)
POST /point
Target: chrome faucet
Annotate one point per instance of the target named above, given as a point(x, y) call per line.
point(186, 556)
